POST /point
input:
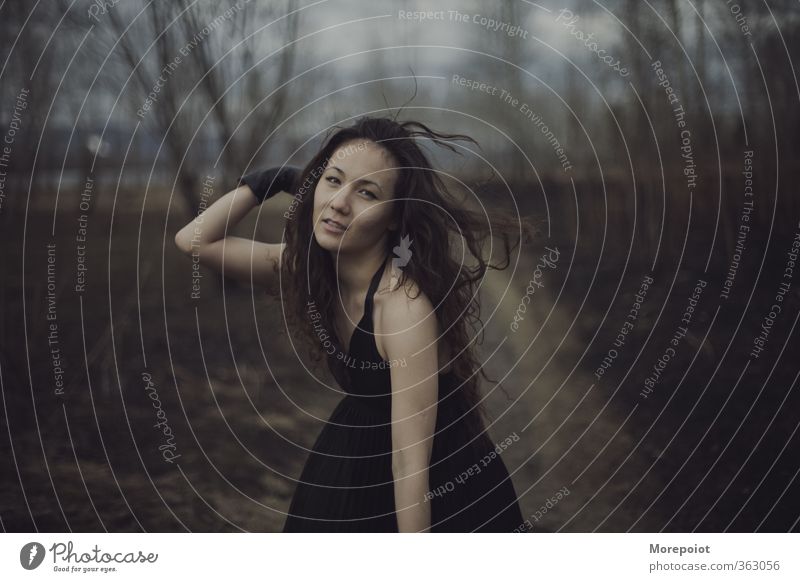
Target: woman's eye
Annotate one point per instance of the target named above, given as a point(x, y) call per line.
point(335, 181)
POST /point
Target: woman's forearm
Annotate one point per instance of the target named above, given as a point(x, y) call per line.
point(412, 509)
point(213, 224)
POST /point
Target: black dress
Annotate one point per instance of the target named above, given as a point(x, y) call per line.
point(346, 484)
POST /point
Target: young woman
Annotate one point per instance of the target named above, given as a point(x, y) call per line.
point(377, 283)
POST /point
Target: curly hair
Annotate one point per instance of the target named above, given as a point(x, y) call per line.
point(429, 214)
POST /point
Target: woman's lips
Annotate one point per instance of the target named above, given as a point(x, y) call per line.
point(332, 227)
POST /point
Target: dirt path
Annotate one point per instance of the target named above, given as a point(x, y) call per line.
point(568, 421)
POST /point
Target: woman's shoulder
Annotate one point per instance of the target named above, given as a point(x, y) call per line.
point(401, 308)
point(396, 300)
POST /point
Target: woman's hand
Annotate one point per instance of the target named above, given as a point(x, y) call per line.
point(266, 183)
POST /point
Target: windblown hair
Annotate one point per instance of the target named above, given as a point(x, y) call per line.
point(428, 214)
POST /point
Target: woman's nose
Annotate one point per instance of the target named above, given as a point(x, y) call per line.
point(341, 199)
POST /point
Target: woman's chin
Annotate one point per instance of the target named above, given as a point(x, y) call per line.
point(328, 241)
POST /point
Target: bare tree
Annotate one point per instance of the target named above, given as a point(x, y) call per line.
point(29, 71)
point(191, 72)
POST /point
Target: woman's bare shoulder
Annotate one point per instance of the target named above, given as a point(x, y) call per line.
point(401, 299)
point(403, 308)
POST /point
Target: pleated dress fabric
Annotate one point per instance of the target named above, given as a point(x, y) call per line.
point(346, 484)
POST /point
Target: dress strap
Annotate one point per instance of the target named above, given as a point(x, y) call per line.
point(373, 287)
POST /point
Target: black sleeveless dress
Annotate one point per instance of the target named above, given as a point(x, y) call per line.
point(346, 484)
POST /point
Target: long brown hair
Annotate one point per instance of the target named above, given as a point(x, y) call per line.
point(428, 214)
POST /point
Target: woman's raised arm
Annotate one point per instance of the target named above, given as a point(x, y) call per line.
point(245, 260)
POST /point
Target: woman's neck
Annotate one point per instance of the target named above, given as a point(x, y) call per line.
point(355, 272)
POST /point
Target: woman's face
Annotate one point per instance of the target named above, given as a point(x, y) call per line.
point(356, 191)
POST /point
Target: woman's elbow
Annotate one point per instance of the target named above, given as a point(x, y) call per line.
point(183, 240)
point(405, 463)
